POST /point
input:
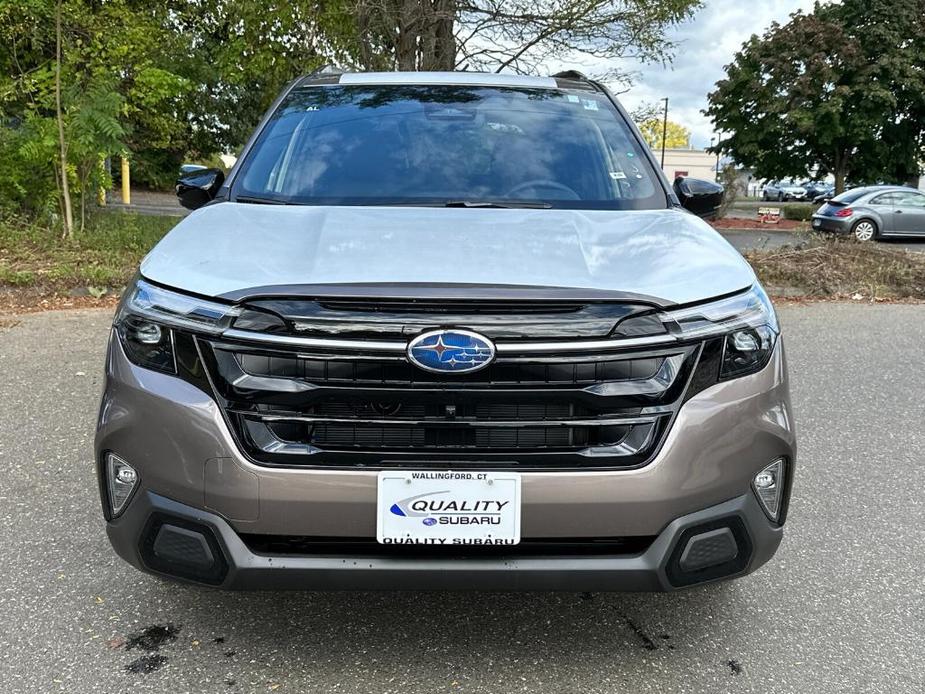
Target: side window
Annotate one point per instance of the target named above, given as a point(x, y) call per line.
point(885, 199)
point(910, 199)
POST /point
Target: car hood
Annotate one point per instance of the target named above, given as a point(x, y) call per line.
point(236, 250)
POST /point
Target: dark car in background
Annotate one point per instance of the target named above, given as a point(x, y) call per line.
point(818, 191)
point(874, 212)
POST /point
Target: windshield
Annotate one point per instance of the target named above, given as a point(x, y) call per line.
point(456, 145)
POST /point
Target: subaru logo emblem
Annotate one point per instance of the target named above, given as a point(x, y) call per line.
point(451, 351)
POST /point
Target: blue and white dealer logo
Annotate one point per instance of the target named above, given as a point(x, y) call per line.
point(451, 351)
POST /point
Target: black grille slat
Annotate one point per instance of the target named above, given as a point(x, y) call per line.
point(434, 435)
point(379, 373)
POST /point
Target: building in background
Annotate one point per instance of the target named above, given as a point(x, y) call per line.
point(688, 162)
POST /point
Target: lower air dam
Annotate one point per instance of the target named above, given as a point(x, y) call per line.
point(444, 541)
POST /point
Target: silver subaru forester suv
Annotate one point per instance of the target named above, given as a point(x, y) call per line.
point(445, 330)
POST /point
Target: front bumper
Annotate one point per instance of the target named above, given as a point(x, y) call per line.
point(192, 471)
point(653, 570)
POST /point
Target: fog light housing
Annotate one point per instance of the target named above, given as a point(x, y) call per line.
point(768, 486)
point(121, 481)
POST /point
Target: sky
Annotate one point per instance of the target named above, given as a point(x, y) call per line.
point(707, 43)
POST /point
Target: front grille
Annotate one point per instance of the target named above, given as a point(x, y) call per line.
point(353, 404)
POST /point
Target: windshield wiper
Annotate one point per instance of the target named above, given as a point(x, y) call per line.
point(530, 205)
point(253, 199)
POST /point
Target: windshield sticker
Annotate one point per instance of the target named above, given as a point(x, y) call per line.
point(589, 104)
point(572, 98)
point(617, 175)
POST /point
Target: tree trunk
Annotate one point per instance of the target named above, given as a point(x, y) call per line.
point(840, 175)
point(406, 50)
point(445, 48)
point(65, 190)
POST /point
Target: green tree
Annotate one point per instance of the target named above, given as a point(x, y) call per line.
point(840, 91)
point(94, 75)
point(162, 82)
point(239, 55)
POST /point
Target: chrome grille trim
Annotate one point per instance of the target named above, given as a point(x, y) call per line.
point(395, 347)
point(452, 423)
point(659, 383)
point(664, 378)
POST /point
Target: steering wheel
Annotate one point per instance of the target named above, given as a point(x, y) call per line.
point(542, 183)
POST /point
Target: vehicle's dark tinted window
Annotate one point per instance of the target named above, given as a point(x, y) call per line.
point(436, 144)
point(850, 195)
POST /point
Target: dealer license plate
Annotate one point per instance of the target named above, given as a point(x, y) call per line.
point(448, 508)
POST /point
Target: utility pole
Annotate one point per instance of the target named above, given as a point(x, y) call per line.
point(664, 130)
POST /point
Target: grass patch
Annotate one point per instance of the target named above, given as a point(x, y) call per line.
point(843, 268)
point(105, 254)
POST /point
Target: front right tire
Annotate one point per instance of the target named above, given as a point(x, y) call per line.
point(865, 230)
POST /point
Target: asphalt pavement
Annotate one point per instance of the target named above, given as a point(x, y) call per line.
point(841, 608)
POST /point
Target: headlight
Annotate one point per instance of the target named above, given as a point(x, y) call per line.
point(148, 315)
point(746, 321)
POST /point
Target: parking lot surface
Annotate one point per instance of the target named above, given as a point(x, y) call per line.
point(840, 609)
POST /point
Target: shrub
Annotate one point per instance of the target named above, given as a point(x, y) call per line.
point(800, 213)
point(842, 267)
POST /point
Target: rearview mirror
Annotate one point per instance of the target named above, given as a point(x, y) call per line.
point(703, 198)
point(196, 188)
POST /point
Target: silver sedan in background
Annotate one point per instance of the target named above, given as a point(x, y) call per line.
point(874, 212)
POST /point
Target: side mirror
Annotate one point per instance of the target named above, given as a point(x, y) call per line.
point(190, 168)
point(703, 198)
point(196, 188)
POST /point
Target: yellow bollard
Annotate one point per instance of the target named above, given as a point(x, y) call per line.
point(101, 171)
point(126, 183)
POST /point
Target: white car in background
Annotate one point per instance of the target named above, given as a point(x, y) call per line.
point(782, 191)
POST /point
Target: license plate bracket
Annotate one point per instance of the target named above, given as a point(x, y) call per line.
point(448, 507)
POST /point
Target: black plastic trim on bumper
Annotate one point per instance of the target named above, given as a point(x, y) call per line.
point(246, 570)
